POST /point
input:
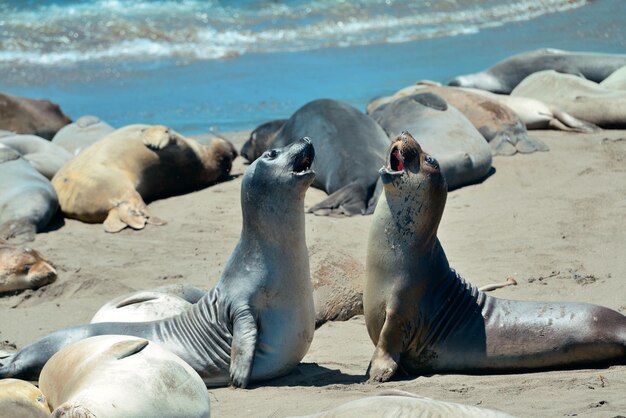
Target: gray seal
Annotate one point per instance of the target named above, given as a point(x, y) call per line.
point(27, 202)
point(463, 154)
point(261, 139)
point(424, 318)
point(46, 157)
point(257, 323)
point(78, 135)
point(508, 73)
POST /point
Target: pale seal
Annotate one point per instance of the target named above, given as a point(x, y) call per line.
point(111, 180)
point(27, 201)
point(23, 268)
point(20, 399)
point(46, 157)
point(149, 305)
point(462, 152)
point(397, 403)
point(121, 376)
point(424, 318)
point(31, 116)
point(504, 76)
point(583, 99)
point(348, 143)
point(616, 81)
point(80, 134)
point(257, 323)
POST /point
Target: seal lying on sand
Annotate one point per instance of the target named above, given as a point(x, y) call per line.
point(499, 125)
point(261, 139)
point(461, 150)
point(109, 181)
point(424, 318)
point(397, 403)
point(119, 376)
point(348, 144)
point(616, 81)
point(20, 399)
point(258, 321)
point(31, 116)
point(28, 200)
point(507, 74)
point(23, 268)
point(581, 98)
point(46, 157)
point(78, 135)
point(149, 305)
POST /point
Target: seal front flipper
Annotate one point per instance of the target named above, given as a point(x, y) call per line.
point(243, 346)
point(386, 358)
point(157, 137)
point(349, 200)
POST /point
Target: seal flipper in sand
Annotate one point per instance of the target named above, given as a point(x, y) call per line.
point(349, 200)
point(257, 323)
point(424, 318)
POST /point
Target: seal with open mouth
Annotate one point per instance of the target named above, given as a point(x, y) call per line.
point(258, 321)
point(424, 318)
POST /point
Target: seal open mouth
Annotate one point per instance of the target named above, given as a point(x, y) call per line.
point(304, 160)
point(395, 163)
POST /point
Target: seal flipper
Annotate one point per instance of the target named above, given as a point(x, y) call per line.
point(18, 231)
point(349, 200)
point(157, 137)
point(566, 122)
point(125, 349)
point(243, 346)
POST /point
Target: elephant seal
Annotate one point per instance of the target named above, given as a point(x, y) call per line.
point(424, 318)
point(80, 134)
point(257, 323)
point(20, 399)
point(23, 268)
point(508, 73)
point(120, 376)
point(149, 305)
point(538, 115)
point(27, 202)
point(499, 125)
point(584, 99)
point(616, 81)
point(261, 139)
point(46, 157)
point(398, 403)
point(109, 181)
point(31, 116)
point(348, 143)
point(461, 150)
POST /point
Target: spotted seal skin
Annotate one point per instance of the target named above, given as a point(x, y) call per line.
point(23, 268)
point(257, 323)
point(504, 76)
point(424, 318)
point(27, 202)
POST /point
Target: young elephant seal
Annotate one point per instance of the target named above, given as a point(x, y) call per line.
point(258, 321)
point(424, 318)
point(116, 376)
point(23, 268)
point(110, 180)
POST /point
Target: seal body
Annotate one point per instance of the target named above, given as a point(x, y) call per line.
point(424, 318)
point(23, 268)
point(584, 99)
point(508, 73)
point(31, 116)
point(46, 157)
point(80, 134)
point(258, 321)
point(20, 399)
point(111, 180)
point(463, 154)
point(261, 139)
point(121, 376)
point(348, 144)
point(616, 81)
point(149, 305)
point(27, 202)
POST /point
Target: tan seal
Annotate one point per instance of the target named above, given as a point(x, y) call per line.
point(20, 399)
point(111, 180)
point(23, 268)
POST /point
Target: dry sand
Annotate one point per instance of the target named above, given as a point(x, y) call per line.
point(554, 221)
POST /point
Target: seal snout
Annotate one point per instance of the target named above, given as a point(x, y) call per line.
point(404, 153)
point(304, 159)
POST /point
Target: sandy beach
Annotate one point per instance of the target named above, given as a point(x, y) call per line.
point(553, 220)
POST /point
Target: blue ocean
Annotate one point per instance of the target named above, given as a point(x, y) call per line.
point(210, 66)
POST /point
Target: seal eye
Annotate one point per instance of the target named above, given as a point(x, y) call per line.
point(26, 268)
point(430, 160)
point(271, 154)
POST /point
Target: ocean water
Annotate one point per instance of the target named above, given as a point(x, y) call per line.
point(201, 66)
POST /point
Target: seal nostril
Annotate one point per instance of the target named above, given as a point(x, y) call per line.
point(306, 139)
